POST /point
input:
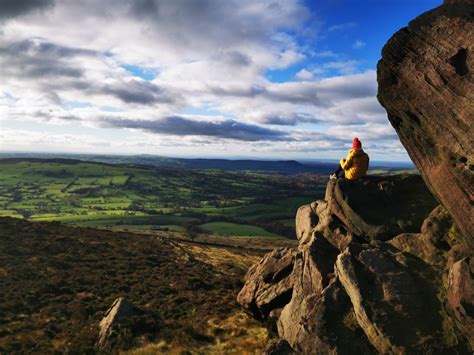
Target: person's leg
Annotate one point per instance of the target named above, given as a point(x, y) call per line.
point(338, 171)
point(341, 169)
point(335, 174)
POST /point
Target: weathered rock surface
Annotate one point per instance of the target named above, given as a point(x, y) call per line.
point(351, 287)
point(426, 84)
point(371, 208)
point(461, 295)
point(314, 267)
point(121, 309)
point(397, 309)
point(380, 268)
point(269, 284)
point(434, 240)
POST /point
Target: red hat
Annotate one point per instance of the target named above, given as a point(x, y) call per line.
point(356, 144)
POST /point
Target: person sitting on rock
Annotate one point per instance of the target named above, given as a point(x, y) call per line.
point(355, 165)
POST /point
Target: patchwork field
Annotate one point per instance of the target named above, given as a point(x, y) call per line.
point(132, 197)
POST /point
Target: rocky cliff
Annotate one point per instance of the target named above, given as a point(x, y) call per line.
point(426, 84)
point(380, 267)
point(371, 274)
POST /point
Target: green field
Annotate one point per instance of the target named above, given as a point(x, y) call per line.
point(151, 198)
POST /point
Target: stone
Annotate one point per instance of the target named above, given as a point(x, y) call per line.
point(460, 295)
point(306, 220)
point(396, 309)
point(380, 207)
point(268, 284)
point(313, 270)
point(331, 227)
point(426, 84)
point(329, 325)
point(351, 287)
point(121, 309)
point(434, 240)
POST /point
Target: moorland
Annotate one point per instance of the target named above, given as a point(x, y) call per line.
point(58, 281)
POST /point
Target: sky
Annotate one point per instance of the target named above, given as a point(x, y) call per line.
point(276, 79)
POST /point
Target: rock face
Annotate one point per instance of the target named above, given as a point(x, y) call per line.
point(379, 208)
point(269, 284)
point(426, 84)
point(396, 308)
point(353, 287)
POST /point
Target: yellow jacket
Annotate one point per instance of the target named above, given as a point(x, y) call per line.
point(356, 164)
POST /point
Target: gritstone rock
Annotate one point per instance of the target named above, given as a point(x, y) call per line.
point(426, 84)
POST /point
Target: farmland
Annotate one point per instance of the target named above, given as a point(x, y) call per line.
point(134, 197)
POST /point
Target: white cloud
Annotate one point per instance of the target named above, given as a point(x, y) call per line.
point(358, 44)
point(342, 26)
point(304, 75)
point(63, 63)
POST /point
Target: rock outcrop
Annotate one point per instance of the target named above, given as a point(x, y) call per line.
point(426, 84)
point(353, 287)
point(379, 208)
point(120, 310)
point(269, 284)
point(380, 267)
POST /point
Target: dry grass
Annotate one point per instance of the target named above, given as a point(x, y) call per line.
point(237, 334)
point(220, 257)
point(57, 282)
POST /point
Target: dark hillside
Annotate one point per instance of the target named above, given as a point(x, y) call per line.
point(57, 282)
point(280, 166)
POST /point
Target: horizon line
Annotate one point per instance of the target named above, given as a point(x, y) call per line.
point(230, 158)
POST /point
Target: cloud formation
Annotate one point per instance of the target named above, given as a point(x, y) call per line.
point(81, 65)
point(16, 8)
point(181, 126)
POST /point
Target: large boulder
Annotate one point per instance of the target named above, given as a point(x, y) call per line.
point(372, 208)
point(426, 84)
point(351, 287)
point(397, 309)
point(434, 240)
point(325, 324)
point(123, 323)
point(377, 207)
point(314, 270)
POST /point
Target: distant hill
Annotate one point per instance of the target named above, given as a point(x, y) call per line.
point(279, 166)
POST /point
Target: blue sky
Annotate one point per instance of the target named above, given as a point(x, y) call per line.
point(279, 79)
point(355, 30)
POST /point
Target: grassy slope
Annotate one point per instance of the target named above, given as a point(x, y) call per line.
point(98, 194)
point(233, 229)
point(57, 282)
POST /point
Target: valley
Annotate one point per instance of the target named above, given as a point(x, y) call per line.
point(238, 203)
